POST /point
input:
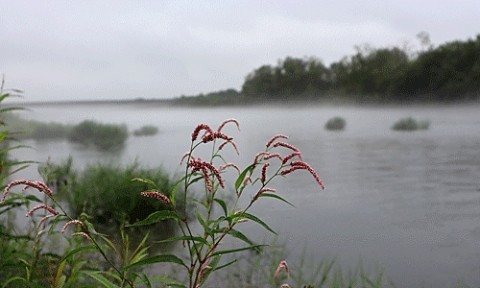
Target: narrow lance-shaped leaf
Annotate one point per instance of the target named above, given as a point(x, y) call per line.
point(156, 217)
point(271, 195)
point(157, 259)
point(145, 181)
point(242, 176)
point(239, 235)
point(184, 238)
point(100, 278)
point(222, 204)
point(229, 251)
point(254, 219)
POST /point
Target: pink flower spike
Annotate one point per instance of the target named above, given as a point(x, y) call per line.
point(304, 165)
point(263, 190)
point(42, 206)
point(83, 234)
point(286, 145)
point(156, 195)
point(72, 222)
point(199, 128)
point(40, 186)
point(228, 165)
point(290, 156)
point(279, 136)
point(281, 266)
point(226, 122)
point(264, 172)
point(258, 156)
point(44, 219)
point(272, 155)
point(229, 142)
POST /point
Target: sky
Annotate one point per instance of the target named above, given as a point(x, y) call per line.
point(106, 50)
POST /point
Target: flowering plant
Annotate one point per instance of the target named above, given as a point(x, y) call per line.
point(204, 242)
point(278, 159)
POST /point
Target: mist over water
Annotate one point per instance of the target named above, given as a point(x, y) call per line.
point(405, 203)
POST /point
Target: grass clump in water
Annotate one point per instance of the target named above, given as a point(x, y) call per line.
point(410, 124)
point(147, 130)
point(102, 136)
point(109, 194)
point(335, 124)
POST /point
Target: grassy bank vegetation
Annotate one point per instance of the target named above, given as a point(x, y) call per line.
point(88, 133)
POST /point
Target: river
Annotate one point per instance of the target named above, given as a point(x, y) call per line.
point(404, 202)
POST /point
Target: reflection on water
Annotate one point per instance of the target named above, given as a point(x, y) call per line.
point(408, 203)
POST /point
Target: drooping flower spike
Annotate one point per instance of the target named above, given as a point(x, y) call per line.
point(199, 128)
point(72, 222)
point(42, 206)
point(226, 122)
point(199, 165)
point(300, 165)
point(281, 267)
point(274, 138)
point(156, 195)
point(40, 186)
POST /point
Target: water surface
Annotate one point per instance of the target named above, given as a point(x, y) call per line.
point(408, 203)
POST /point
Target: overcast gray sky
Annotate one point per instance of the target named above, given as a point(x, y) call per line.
point(70, 50)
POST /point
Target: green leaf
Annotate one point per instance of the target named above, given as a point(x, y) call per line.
point(184, 238)
point(271, 195)
point(254, 219)
point(156, 217)
point(225, 265)
point(229, 251)
point(239, 235)
point(223, 204)
point(157, 259)
point(203, 223)
point(242, 176)
point(3, 134)
point(100, 278)
point(174, 190)
point(77, 250)
point(168, 281)
point(145, 181)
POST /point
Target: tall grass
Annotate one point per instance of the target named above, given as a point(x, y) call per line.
point(107, 192)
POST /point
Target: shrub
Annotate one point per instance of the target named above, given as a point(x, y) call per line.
point(335, 123)
point(147, 130)
point(108, 194)
point(410, 124)
point(102, 136)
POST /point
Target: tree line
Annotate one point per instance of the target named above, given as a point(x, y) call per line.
point(447, 73)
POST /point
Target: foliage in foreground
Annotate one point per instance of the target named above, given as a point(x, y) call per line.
point(107, 192)
point(88, 258)
point(203, 243)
